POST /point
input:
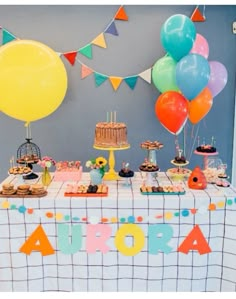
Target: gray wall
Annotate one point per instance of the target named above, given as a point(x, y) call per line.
point(68, 133)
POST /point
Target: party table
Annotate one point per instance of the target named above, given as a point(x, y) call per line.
point(125, 241)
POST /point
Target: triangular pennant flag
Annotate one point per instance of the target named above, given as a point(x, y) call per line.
point(115, 82)
point(99, 78)
point(131, 81)
point(59, 54)
point(121, 14)
point(86, 51)
point(70, 56)
point(112, 29)
point(197, 16)
point(100, 41)
point(7, 37)
point(85, 71)
point(146, 75)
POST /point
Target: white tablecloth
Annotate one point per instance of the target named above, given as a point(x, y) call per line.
point(113, 271)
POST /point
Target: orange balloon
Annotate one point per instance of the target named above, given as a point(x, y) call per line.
point(171, 109)
point(200, 106)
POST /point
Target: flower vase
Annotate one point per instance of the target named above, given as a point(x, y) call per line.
point(95, 177)
point(46, 177)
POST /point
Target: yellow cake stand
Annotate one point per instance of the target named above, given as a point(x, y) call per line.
point(111, 174)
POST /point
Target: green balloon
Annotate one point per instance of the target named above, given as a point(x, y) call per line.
point(163, 74)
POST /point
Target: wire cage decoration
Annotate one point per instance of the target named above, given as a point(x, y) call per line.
point(28, 153)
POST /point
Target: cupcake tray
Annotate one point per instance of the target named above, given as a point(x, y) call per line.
point(87, 194)
point(162, 193)
point(23, 195)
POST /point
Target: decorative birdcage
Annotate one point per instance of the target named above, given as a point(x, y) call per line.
point(28, 153)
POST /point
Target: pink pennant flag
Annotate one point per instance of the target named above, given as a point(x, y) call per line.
point(85, 71)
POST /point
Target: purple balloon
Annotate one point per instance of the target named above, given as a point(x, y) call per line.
point(218, 77)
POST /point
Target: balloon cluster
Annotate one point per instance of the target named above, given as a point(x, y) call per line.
point(186, 79)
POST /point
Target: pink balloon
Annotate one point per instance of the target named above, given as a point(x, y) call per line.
point(218, 77)
point(200, 46)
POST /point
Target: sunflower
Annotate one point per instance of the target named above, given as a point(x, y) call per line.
point(101, 161)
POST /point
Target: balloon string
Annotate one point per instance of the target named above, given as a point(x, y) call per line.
point(204, 6)
point(28, 132)
point(195, 137)
point(185, 132)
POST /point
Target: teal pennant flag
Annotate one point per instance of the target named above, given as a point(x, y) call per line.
point(131, 81)
point(99, 78)
point(7, 37)
point(86, 51)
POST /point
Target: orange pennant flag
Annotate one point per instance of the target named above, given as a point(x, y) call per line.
point(85, 71)
point(115, 81)
point(121, 14)
point(197, 16)
point(70, 56)
point(100, 41)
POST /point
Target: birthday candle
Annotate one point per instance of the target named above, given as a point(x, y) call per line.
point(114, 116)
point(111, 117)
point(107, 116)
point(212, 140)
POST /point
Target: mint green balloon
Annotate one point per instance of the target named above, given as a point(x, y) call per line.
point(163, 74)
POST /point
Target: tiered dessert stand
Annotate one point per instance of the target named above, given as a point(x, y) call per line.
point(127, 176)
point(152, 158)
point(205, 157)
point(111, 174)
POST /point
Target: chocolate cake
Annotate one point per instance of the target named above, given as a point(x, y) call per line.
point(206, 149)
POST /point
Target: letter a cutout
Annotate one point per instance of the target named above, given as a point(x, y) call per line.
point(195, 240)
point(43, 246)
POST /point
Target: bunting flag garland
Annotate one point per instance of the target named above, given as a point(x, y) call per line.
point(197, 15)
point(112, 29)
point(115, 81)
point(86, 50)
point(131, 81)
point(121, 14)
point(7, 37)
point(85, 71)
point(70, 56)
point(146, 75)
point(99, 78)
point(100, 41)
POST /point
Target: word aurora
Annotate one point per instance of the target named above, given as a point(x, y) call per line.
point(159, 235)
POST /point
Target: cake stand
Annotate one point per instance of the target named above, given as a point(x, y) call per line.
point(179, 175)
point(149, 177)
point(127, 182)
point(152, 158)
point(111, 174)
point(205, 157)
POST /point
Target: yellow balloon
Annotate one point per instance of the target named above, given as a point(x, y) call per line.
point(33, 80)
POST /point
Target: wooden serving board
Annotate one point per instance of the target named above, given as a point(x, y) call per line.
point(23, 196)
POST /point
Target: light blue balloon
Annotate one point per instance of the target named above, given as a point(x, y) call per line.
point(192, 75)
point(178, 34)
